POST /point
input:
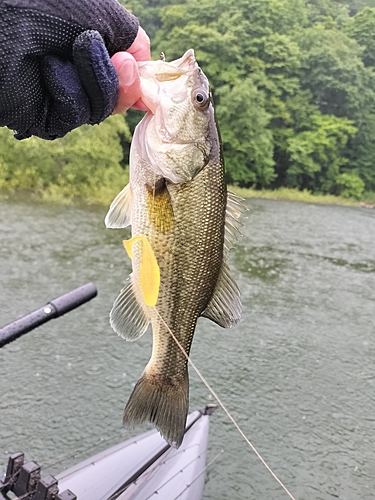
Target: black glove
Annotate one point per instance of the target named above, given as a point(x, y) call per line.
point(55, 68)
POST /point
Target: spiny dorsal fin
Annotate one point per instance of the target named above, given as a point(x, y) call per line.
point(225, 307)
point(120, 212)
point(127, 317)
point(233, 220)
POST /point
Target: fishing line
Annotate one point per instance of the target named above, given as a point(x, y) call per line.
point(225, 409)
point(9, 482)
point(201, 472)
point(177, 473)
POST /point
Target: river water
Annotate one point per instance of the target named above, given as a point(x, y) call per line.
point(297, 373)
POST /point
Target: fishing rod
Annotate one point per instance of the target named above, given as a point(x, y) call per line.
point(53, 309)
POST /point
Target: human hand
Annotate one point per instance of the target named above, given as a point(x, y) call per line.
point(55, 71)
point(125, 64)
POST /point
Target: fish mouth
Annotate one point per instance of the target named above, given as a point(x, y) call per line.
point(154, 73)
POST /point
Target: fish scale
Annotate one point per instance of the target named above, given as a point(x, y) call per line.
point(178, 206)
point(189, 256)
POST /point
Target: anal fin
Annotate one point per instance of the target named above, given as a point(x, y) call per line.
point(127, 317)
point(225, 307)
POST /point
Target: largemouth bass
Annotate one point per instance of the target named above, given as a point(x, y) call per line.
point(183, 224)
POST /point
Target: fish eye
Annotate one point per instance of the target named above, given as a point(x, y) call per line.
point(201, 99)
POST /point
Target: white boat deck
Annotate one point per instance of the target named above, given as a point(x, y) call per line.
point(144, 467)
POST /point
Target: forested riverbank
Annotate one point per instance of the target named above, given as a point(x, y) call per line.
point(294, 90)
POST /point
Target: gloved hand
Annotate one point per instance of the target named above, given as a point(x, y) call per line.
point(82, 91)
point(55, 69)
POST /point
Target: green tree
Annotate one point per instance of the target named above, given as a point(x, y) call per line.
point(357, 5)
point(332, 70)
point(326, 11)
point(247, 142)
point(294, 87)
point(85, 163)
point(341, 85)
point(362, 29)
point(316, 157)
point(360, 152)
point(350, 186)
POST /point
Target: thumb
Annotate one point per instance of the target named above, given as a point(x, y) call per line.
point(130, 89)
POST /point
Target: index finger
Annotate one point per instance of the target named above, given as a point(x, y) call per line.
point(140, 48)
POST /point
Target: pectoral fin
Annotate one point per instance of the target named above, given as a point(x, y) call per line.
point(149, 269)
point(225, 307)
point(127, 317)
point(120, 212)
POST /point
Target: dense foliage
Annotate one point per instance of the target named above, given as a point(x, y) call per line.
point(86, 163)
point(293, 81)
point(294, 90)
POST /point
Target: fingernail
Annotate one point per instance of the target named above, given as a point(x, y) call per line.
point(127, 73)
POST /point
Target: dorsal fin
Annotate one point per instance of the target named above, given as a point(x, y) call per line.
point(233, 221)
point(225, 307)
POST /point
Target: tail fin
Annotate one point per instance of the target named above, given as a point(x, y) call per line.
point(164, 405)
